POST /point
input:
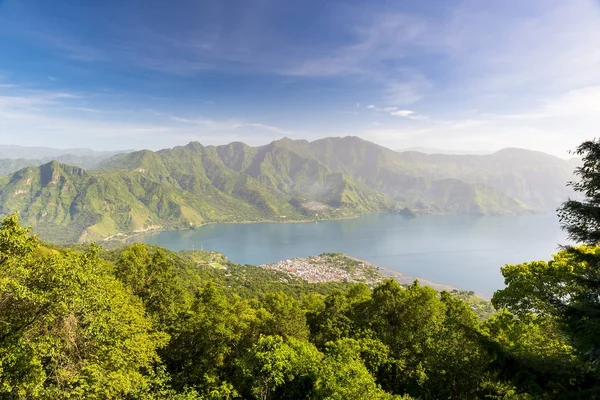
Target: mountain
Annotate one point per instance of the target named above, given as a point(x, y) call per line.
point(429, 150)
point(285, 180)
point(10, 165)
point(14, 158)
point(534, 178)
point(17, 152)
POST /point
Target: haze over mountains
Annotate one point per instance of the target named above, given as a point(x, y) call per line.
point(14, 158)
point(21, 152)
point(282, 181)
point(429, 150)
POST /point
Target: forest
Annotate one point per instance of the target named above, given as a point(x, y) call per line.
point(142, 322)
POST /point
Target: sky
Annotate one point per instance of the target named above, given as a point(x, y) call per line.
point(448, 74)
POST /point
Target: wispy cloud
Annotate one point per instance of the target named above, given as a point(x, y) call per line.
point(87, 109)
point(53, 117)
point(402, 113)
point(228, 125)
point(505, 73)
point(480, 51)
point(395, 112)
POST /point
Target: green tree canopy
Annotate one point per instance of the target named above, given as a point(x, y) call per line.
point(68, 328)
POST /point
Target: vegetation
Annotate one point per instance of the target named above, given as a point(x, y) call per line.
point(144, 322)
point(285, 180)
point(141, 322)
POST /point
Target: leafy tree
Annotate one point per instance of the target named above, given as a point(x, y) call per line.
point(343, 375)
point(581, 218)
point(406, 321)
point(218, 331)
point(89, 324)
point(550, 297)
point(333, 320)
point(153, 278)
point(68, 328)
point(457, 364)
point(282, 370)
point(562, 295)
point(534, 354)
point(285, 316)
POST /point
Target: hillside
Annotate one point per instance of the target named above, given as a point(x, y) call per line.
point(282, 181)
point(147, 323)
point(535, 178)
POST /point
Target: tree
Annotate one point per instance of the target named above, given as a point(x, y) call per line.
point(579, 308)
point(343, 375)
point(217, 332)
point(567, 287)
point(334, 320)
point(581, 218)
point(153, 278)
point(565, 292)
point(284, 316)
point(407, 321)
point(558, 290)
point(68, 327)
point(280, 369)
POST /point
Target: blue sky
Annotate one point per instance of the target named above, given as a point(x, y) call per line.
point(449, 74)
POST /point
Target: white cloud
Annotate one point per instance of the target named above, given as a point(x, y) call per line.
point(395, 112)
point(402, 113)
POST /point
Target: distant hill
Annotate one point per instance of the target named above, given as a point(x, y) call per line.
point(284, 180)
point(32, 153)
point(429, 150)
point(10, 165)
point(535, 178)
point(14, 158)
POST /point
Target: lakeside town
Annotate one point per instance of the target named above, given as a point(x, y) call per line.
point(329, 267)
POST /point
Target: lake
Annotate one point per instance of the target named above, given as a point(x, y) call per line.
point(462, 251)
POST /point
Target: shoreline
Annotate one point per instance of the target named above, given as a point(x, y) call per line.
point(126, 237)
point(407, 280)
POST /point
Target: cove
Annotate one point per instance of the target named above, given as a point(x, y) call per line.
point(463, 251)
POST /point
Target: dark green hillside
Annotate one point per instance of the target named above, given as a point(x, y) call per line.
point(66, 203)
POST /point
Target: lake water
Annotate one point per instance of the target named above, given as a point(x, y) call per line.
point(462, 251)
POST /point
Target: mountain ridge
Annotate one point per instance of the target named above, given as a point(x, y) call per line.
point(190, 185)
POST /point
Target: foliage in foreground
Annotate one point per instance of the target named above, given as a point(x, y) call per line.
point(142, 322)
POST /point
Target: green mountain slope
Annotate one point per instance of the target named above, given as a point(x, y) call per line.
point(284, 180)
point(533, 178)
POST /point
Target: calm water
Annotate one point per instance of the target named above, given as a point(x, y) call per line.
point(462, 251)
